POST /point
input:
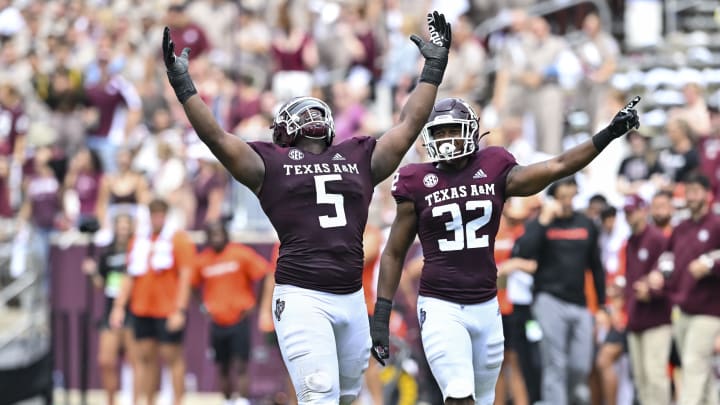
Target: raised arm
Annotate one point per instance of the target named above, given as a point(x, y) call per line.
point(528, 180)
point(238, 157)
point(402, 233)
point(393, 145)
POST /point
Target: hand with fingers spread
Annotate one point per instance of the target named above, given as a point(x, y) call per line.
point(177, 68)
point(436, 50)
point(625, 120)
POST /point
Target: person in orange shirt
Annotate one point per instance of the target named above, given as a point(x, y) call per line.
point(160, 263)
point(227, 273)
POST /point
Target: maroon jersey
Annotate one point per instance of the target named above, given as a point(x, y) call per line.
point(710, 161)
point(458, 214)
point(108, 96)
point(193, 37)
point(13, 123)
point(87, 187)
point(642, 252)
point(318, 205)
point(43, 192)
point(689, 240)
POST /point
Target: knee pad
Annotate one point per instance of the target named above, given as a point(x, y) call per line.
point(319, 382)
point(316, 389)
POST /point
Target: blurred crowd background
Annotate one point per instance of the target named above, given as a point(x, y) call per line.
point(90, 128)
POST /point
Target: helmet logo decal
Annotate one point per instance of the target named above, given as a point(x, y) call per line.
point(295, 154)
point(430, 180)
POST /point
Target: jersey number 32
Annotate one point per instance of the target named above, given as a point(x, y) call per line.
point(464, 236)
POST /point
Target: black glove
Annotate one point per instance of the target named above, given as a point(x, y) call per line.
point(380, 330)
point(625, 120)
point(436, 51)
point(177, 68)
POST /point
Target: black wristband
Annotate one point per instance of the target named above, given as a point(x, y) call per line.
point(602, 139)
point(183, 86)
point(383, 308)
point(433, 71)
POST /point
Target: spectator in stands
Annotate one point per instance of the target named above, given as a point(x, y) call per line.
point(208, 187)
point(682, 157)
point(160, 263)
point(170, 182)
point(14, 124)
point(509, 95)
point(252, 44)
point(227, 273)
point(186, 33)
point(294, 55)
point(107, 274)
point(648, 310)
point(123, 192)
point(106, 96)
point(81, 187)
point(360, 20)
point(613, 233)
point(162, 130)
point(62, 91)
point(693, 286)
point(597, 203)
point(598, 54)
point(709, 151)
point(516, 143)
point(223, 15)
point(639, 167)
point(466, 76)
point(695, 111)
point(245, 103)
point(662, 211)
point(564, 243)
point(41, 207)
point(541, 85)
point(400, 58)
point(349, 112)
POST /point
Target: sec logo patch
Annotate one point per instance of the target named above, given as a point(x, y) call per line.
point(430, 180)
point(295, 154)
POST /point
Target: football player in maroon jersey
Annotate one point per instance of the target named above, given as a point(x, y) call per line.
point(316, 194)
point(454, 204)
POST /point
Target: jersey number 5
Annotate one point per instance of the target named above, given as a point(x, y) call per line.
point(323, 197)
point(464, 235)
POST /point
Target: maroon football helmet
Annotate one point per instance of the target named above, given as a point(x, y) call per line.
point(451, 111)
point(306, 116)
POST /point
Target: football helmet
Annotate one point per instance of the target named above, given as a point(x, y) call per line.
point(451, 111)
point(306, 116)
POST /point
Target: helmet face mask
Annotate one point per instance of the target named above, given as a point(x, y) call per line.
point(305, 116)
point(451, 112)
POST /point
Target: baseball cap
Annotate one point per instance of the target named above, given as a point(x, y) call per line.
point(634, 202)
